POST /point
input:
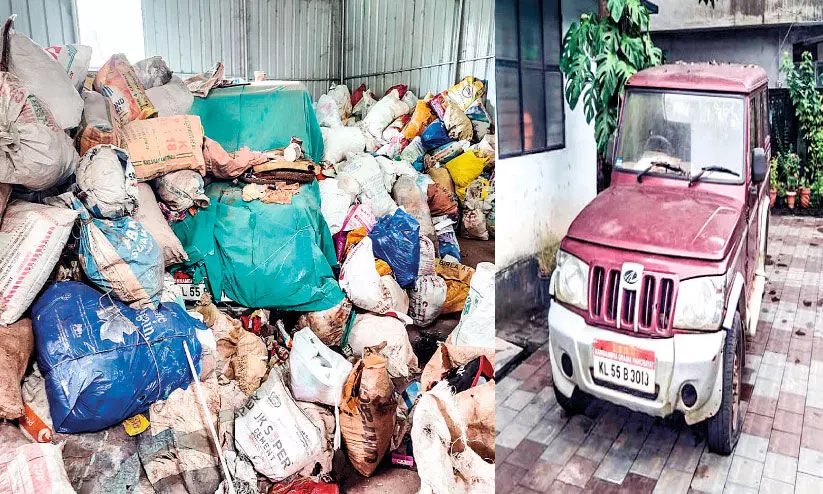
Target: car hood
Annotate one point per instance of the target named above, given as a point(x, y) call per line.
point(682, 222)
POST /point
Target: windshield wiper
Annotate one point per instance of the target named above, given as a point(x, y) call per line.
point(658, 164)
point(705, 169)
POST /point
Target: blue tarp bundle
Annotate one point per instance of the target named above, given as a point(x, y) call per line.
point(103, 361)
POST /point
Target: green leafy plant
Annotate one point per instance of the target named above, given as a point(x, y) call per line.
point(808, 107)
point(789, 163)
point(817, 192)
point(600, 53)
point(774, 183)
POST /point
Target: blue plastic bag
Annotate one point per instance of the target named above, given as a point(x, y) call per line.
point(418, 164)
point(103, 361)
point(435, 136)
point(447, 245)
point(121, 256)
point(396, 240)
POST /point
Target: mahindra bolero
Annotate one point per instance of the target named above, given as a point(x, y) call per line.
point(659, 279)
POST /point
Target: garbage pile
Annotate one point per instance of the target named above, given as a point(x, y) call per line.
point(444, 143)
point(179, 314)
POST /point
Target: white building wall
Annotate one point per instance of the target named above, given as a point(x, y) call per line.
point(691, 14)
point(761, 46)
point(540, 194)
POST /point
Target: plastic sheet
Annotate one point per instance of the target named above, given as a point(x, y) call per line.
point(115, 362)
point(263, 255)
point(262, 116)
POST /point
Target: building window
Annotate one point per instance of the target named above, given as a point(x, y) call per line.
point(106, 37)
point(529, 83)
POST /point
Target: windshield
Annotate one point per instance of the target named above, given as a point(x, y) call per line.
point(685, 130)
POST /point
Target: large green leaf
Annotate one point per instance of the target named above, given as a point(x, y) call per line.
point(607, 37)
point(599, 55)
point(633, 50)
point(606, 73)
point(637, 14)
point(654, 55)
point(616, 8)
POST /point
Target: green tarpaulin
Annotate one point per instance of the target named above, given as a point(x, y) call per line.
point(260, 255)
point(261, 116)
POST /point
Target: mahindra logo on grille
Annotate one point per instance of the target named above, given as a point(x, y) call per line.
point(630, 277)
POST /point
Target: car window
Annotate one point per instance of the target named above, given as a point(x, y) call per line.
point(752, 123)
point(686, 130)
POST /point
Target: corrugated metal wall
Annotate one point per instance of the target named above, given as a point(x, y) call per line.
point(48, 22)
point(288, 39)
point(193, 35)
point(296, 40)
point(428, 44)
point(422, 43)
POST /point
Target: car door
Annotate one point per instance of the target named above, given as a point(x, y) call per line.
point(751, 188)
point(755, 193)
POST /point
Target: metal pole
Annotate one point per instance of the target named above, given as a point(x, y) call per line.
point(459, 36)
point(244, 40)
point(207, 417)
point(342, 41)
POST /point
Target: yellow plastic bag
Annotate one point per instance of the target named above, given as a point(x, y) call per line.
point(458, 279)
point(464, 169)
point(466, 92)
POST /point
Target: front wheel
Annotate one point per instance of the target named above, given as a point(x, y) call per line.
point(724, 428)
point(574, 405)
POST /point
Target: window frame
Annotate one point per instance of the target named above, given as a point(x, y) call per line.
point(520, 65)
point(741, 97)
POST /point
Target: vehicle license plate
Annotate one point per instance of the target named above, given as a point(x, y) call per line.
point(181, 284)
point(624, 365)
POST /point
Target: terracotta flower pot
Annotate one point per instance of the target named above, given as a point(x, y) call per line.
point(790, 197)
point(772, 197)
point(805, 194)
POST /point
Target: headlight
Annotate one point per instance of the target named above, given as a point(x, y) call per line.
point(572, 280)
point(700, 303)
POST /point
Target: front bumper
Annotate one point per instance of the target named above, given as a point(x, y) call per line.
point(684, 358)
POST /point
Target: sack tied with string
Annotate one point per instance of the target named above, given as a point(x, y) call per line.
point(103, 361)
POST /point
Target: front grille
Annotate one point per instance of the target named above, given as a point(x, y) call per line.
point(651, 304)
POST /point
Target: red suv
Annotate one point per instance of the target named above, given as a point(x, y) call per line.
point(659, 279)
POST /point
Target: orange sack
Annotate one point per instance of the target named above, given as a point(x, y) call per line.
point(420, 119)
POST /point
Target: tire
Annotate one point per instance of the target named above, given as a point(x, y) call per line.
point(724, 427)
point(574, 405)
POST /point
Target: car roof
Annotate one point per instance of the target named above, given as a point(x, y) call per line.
point(704, 76)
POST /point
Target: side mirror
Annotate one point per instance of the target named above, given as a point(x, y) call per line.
point(612, 147)
point(760, 167)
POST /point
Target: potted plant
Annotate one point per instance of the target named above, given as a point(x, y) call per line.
point(773, 182)
point(805, 192)
point(791, 165)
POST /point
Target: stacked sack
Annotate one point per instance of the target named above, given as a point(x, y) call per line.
point(76, 146)
point(424, 169)
point(402, 178)
point(149, 380)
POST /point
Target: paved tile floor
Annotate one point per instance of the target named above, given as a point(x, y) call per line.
point(611, 449)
